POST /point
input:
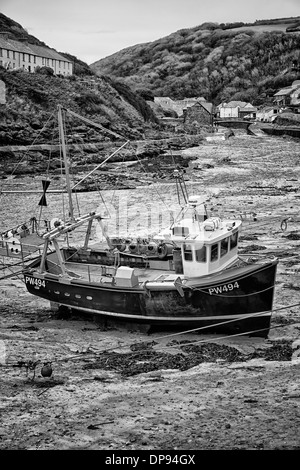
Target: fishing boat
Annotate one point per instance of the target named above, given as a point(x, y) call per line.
point(187, 276)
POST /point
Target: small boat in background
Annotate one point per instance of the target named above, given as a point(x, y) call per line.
point(188, 276)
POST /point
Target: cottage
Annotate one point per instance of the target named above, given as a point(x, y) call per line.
point(268, 114)
point(236, 110)
point(177, 105)
point(201, 113)
point(18, 55)
point(288, 96)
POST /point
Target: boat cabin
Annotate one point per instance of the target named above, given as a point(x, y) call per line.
point(204, 245)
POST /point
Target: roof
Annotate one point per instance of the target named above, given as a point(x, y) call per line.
point(235, 104)
point(288, 89)
point(27, 48)
point(207, 106)
point(285, 91)
point(249, 109)
point(267, 109)
point(238, 104)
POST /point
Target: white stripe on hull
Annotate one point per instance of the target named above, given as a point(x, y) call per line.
point(171, 319)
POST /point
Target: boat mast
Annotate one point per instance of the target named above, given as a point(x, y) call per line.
point(66, 163)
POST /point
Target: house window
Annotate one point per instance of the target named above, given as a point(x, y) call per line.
point(7, 53)
point(201, 254)
point(14, 55)
point(29, 58)
point(224, 246)
point(34, 59)
point(187, 251)
point(214, 253)
point(1, 52)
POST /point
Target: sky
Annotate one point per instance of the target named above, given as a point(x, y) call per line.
point(94, 29)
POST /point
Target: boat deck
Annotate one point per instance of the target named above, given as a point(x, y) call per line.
point(104, 274)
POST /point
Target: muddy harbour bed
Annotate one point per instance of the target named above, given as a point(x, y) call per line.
point(114, 388)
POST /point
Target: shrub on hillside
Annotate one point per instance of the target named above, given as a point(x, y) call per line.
point(44, 71)
point(88, 99)
point(133, 98)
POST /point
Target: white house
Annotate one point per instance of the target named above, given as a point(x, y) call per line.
point(19, 55)
point(268, 114)
point(236, 109)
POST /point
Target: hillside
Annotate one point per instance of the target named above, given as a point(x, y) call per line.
point(32, 98)
point(220, 62)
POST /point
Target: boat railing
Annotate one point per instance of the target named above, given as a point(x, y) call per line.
point(18, 250)
point(90, 271)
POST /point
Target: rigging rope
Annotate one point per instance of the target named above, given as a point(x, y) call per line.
point(113, 348)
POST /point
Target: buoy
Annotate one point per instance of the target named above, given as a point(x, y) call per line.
point(133, 248)
point(119, 244)
point(164, 249)
point(46, 370)
point(151, 248)
point(14, 245)
point(55, 223)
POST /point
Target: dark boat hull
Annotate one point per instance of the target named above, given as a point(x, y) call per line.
point(239, 300)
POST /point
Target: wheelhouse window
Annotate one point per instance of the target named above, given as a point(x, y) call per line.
point(233, 240)
point(214, 253)
point(201, 254)
point(224, 246)
point(180, 231)
point(187, 252)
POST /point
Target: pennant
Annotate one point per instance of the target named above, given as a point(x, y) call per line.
point(45, 184)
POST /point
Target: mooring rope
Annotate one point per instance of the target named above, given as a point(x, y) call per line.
point(206, 340)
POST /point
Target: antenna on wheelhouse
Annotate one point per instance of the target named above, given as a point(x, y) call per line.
point(66, 163)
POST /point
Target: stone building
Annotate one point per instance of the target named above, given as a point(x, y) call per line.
point(179, 106)
point(200, 114)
